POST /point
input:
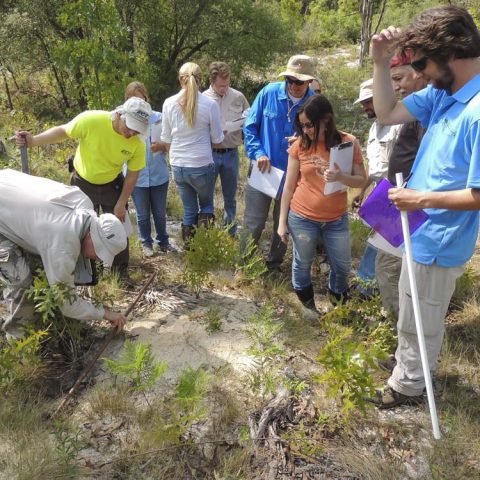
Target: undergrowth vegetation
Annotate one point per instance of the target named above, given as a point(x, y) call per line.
point(139, 419)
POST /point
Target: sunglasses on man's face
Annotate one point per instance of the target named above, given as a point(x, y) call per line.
point(299, 83)
point(419, 65)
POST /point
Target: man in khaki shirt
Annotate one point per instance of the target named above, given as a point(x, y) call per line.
point(232, 104)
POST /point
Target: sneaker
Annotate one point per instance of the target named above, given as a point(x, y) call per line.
point(167, 248)
point(390, 398)
point(147, 251)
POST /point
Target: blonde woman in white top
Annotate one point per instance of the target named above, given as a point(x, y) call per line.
point(191, 123)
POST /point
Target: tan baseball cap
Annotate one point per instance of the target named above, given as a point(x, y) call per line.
point(300, 67)
point(108, 236)
point(366, 91)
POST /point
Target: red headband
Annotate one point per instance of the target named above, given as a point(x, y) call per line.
point(398, 60)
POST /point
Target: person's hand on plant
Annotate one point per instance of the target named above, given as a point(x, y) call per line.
point(117, 319)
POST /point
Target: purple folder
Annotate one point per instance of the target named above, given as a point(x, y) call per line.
point(384, 217)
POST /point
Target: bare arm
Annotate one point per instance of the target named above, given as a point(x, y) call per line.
point(388, 109)
point(52, 135)
point(159, 147)
point(407, 199)
point(290, 185)
point(355, 180)
point(358, 199)
point(128, 186)
point(117, 319)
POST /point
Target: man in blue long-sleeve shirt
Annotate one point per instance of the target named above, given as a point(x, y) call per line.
point(266, 130)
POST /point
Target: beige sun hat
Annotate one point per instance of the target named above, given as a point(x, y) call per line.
point(108, 236)
point(300, 67)
point(366, 91)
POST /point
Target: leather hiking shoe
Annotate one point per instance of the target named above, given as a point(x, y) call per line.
point(388, 364)
point(390, 398)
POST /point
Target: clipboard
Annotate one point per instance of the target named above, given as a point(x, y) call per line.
point(342, 155)
point(384, 217)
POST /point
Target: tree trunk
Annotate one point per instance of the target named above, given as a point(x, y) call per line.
point(56, 74)
point(7, 90)
point(366, 11)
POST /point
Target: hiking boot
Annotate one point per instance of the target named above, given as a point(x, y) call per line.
point(338, 298)
point(167, 248)
point(388, 364)
point(206, 220)
point(390, 398)
point(188, 232)
point(147, 251)
point(309, 310)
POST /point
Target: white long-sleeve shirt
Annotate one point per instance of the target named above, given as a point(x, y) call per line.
point(48, 219)
point(191, 147)
point(381, 139)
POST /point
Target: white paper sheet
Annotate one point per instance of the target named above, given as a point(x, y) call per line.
point(267, 183)
point(342, 155)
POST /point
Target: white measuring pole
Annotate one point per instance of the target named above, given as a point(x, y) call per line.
point(418, 317)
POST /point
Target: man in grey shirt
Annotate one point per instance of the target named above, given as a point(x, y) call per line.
point(232, 104)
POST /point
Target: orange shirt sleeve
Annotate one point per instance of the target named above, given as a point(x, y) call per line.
point(293, 149)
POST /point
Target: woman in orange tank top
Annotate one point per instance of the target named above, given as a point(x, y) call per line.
point(306, 212)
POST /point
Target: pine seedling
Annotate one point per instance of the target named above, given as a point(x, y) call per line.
point(138, 366)
point(209, 250)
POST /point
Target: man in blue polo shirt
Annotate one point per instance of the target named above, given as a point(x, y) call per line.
point(267, 129)
point(444, 45)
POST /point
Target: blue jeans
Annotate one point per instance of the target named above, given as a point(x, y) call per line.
point(366, 269)
point(305, 234)
point(226, 165)
point(151, 201)
point(196, 186)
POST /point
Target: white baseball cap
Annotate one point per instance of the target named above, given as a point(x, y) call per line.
point(136, 113)
point(366, 91)
point(108, 236)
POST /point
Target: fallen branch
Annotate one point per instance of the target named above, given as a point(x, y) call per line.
point(103, 347)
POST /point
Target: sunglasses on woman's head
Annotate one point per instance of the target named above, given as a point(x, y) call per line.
point(419, 65)
point(306, 125)
point(299, 83)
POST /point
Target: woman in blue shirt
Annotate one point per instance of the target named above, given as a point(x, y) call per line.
point(150, 193)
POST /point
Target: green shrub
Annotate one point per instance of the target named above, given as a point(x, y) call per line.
point(210, 249)
point(347, 363)
point(20, 361)
point(138, 366)
point(250, 263)
point(465, 287)
point(359, 233)
point(48, 298)
point(213, 320)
